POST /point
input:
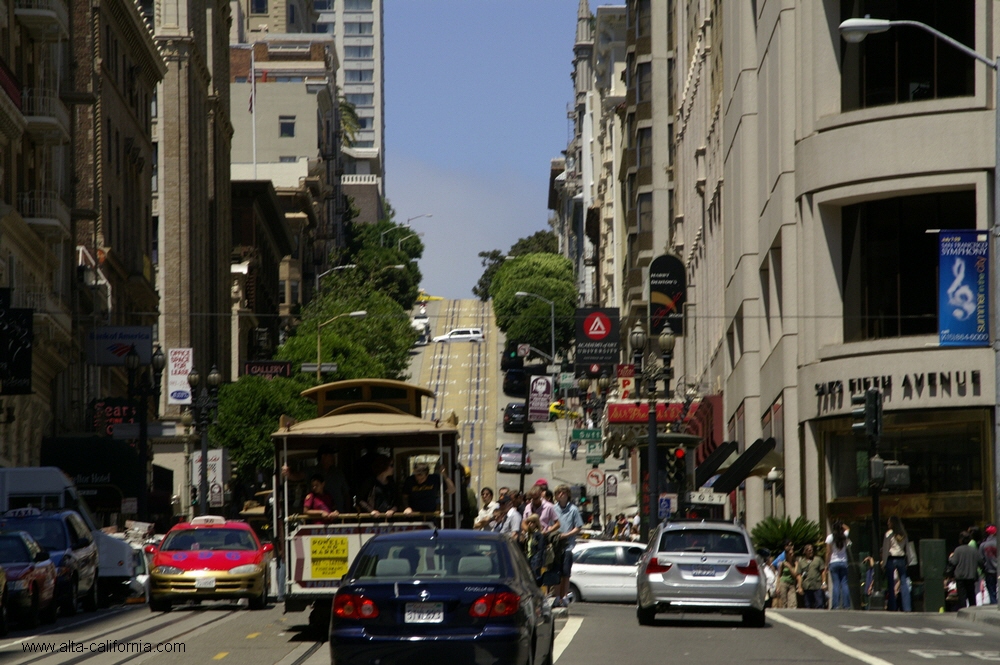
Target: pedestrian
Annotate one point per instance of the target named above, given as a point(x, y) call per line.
point(966, 561)
point(509, 519)
point(546, 512)
point(770, 577)
point(422, 490)
point(609, 527)
point(813, 571)
point(485, 516)
point(533, 544)
point(469, 509)
point(319, 503)
point(894, 563)
point(789, 578)
point(570, 524)
point(836, 566)
point(988, 552)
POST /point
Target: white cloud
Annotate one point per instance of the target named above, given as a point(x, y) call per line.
point(472, 212)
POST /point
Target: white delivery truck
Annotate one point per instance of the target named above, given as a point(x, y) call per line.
point(48, 488)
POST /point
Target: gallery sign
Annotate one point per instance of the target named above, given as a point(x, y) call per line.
point(268, 369)
point(963, 288)
point(667, 294)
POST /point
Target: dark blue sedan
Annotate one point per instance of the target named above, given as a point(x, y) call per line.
point(451, 595)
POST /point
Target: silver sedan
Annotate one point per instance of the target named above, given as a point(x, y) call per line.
point(605, 570)
point(700, 567)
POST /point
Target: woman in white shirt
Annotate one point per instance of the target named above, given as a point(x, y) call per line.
point(894, 562)
point(836, 565)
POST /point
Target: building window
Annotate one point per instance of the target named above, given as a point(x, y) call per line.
point(363, 144)
point(291, 14)
point(156, 240)
point(644, 76)
point(287, 159)
point(645, 146)
point(642, 19)
point(286, 126)
point(358, 75)
point(295, 291)
point(644, 213)
point(153, 106)
point(155, 167)
point(357, 5)
point(357, 28)
point(366, 123)
point(360, 99)
point(907, 64)
point(258, 6)
point(358, 52)
point(890, 262)
point(281, 292)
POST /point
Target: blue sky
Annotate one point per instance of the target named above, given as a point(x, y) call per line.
point(476, 93)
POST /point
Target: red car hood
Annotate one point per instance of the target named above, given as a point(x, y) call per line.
point(206, 559)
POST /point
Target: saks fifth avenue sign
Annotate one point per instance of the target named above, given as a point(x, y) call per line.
point(901, 389)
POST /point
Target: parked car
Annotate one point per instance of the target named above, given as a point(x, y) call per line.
point(515, 383)
point(209, 558)
point(461, 335)
point(509, 358)
point(700, 566)
point(421, 324)
point(605, 570)
point(509, 459)
point(515, 418)
point(70, 544)
point(446, 596)
point(30, 578)
point(558, 409)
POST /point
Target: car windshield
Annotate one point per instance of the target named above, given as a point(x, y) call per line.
point(703, 540)
point(449, 560)
point(13, 550)
point(209, 539)
point(509, 448)
point(50, 533)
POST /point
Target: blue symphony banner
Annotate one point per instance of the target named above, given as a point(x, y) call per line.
point(963, 288)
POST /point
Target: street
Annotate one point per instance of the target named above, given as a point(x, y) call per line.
point(589, 634)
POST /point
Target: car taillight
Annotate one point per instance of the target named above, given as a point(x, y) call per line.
point(495, 605)
point(527, 460)
point(354, 606)
point(749, 569)
point(654, 566)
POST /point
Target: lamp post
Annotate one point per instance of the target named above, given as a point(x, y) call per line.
point(334, 269)
point(359, 314)
point(552, 314)
point(399, 243)
point(854, 30)
point(142, 388)
point(203, 404)
point(651, 373)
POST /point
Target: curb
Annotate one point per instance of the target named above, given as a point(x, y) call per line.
point(988, 614)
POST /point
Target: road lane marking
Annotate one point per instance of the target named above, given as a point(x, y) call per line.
point(829, 640)
point(252, 635)
point(220, 655)
point(565, 636)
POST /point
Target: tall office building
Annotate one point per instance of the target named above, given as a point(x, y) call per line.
point(356, 27)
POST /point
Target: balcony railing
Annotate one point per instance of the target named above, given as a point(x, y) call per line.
point(44, 102)
point(45, 209)
point(44, 19)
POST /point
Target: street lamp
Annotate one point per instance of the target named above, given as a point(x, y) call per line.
point(202, 406)
point(399, 243)
point(652, 374)
point(327, 272)
point(147, 385)
point(854, 30)
point(359, 314)
point(552, 311)
point(410, 219)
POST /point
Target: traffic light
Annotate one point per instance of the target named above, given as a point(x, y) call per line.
point(677, 468)
point(867, 412)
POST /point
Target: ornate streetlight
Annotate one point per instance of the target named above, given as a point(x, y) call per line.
point(203, 405)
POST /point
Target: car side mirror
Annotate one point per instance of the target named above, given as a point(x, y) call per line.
point(42, 555)
point(149, 549)
point(267, 547)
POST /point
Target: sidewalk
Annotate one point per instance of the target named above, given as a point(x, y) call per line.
point(989, 614)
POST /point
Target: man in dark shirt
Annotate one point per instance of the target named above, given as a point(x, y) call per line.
point(966, 560)
point(422, 490)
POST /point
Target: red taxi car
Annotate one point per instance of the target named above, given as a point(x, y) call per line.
point(209, 558)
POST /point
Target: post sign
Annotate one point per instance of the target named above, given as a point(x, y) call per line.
point(586, 435)
point(268, 369)
point(180, 362)
point(597, 336)
point(595, 477)
point(218, 474)
point(539, 398)
point(611, 484)
point(963, 288)
point(667, 293)
point(666, 412)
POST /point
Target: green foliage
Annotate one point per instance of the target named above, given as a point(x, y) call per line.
point(772, 532)
point(491, 261)
point(349, 122)
point(541, 242)
point(248, 414)
point(528, 319)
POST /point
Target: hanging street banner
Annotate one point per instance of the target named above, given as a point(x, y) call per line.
point(667, 294)
point(16, 337)
point(108, 345)
point(539, 398)
point(597, 336)
point(963, 288)
point(180, 362)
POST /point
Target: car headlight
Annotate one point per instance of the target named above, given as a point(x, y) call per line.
point(17, 585)
point(248, 569)
point(167, 570)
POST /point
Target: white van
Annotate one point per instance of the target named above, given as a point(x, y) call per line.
point(461, 335)
point(48, 488)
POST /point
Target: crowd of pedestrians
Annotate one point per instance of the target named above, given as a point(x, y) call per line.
point(803, 578)
point(544, 523)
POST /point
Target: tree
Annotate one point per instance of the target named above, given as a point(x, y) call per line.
point(528, 319)
point(542, 242)
point(491, 260)
point(349, 122)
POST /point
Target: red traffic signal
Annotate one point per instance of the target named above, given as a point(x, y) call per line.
point(679, 453)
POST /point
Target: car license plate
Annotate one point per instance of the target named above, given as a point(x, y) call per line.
point(204, 583)
point(424, 613)
point(703, 571)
